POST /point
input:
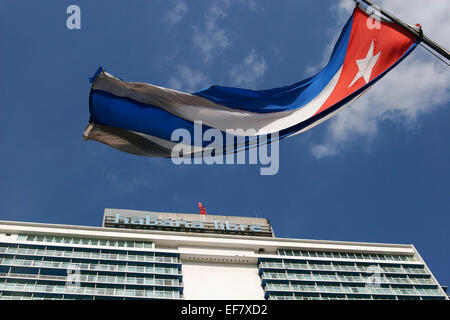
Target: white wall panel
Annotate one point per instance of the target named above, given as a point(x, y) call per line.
point(213, 281)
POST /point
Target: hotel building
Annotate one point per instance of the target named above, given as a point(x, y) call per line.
point(154, 255)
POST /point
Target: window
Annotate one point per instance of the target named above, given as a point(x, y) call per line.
point(140, 292)
point(89, 290)
point(129, 292)
point(109, 291)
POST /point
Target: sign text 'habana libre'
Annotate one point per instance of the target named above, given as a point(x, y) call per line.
point(153, 221)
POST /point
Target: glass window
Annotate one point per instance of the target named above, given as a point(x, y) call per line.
point(95, 255)
point(320, 254)
point(104, 256)
point(112, 267)
point(112, 243)
point(40, 287)
point(89, 290)
point(29, 286)
point(120, 292)
point(168, 282)
point(99, 266)
point(22, 237)
point(109, 291)
point(122, 256)
point(100, 290)
point(140, 257)
point(140, 268)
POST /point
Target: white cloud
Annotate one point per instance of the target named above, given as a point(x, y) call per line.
point(340, 12)
point(126, 183)
point(210, 38)
point(176, 14)
point(417, 86)
point(186, 79)
point(249, 71)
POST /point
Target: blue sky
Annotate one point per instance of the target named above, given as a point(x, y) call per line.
point(378, 172)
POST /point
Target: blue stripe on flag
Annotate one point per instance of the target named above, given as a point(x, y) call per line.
point(125, 113)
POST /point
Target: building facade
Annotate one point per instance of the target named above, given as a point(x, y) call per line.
point(154, 255)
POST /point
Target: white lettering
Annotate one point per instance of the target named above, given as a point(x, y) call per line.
point(74, 20)
point(149, 221)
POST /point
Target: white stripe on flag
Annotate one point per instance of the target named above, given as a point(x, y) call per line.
point(195, 108)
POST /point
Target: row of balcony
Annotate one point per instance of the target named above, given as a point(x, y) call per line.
point(125, 256)
point(99, 266)
point(334, 266)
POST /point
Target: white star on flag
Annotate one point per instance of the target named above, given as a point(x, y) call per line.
point(366, 65)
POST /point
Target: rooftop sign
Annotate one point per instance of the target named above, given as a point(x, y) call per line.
point(132, 219)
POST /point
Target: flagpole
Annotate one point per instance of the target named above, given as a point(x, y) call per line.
point(433, 45)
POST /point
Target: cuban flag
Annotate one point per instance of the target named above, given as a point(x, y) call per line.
point(140, 118)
